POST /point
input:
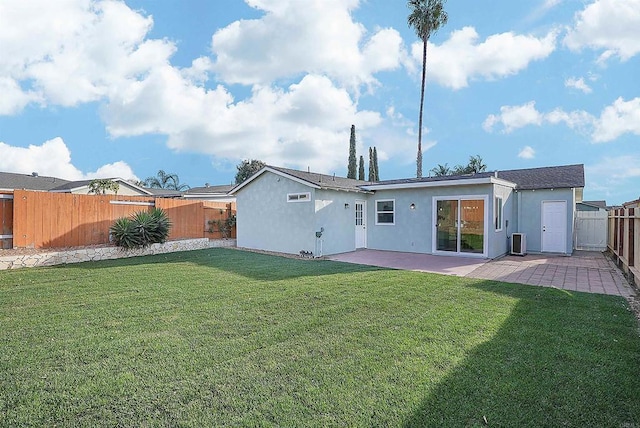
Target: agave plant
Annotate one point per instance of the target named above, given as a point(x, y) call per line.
point(124, 233)
point(142, 229)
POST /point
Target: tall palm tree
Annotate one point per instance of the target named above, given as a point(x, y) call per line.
point(426, 17)
point(165, 181)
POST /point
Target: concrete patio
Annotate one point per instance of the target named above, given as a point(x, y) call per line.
point(589, 272)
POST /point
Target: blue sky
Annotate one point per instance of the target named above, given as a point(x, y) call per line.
point(111, 88)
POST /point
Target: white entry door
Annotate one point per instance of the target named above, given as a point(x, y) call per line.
point(361, 224)
point(554, 226)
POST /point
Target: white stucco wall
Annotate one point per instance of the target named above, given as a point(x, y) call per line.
point(266, 221)
point(529, 215)
point(413, 229)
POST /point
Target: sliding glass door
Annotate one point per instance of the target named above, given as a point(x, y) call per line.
point(460, 225)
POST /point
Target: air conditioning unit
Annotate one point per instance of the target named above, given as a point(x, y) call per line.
point(518, 244)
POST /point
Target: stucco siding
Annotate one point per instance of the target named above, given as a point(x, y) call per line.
point(413, 229)
point(498, 239)
point(530, 215)
point(337, 220)
point(266, 221)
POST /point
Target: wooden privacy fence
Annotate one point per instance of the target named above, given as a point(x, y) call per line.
point(51, 220)
point(624, 240)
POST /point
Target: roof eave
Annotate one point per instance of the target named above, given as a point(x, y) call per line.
point(274, 171)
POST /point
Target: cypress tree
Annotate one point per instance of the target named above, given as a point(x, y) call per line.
point(352, 168)
point(361, 169)
point(375, 164)
point(372, 170)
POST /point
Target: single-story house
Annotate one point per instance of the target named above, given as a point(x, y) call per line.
point(475, 215)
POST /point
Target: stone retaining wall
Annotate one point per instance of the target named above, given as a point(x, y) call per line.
point(107, 253)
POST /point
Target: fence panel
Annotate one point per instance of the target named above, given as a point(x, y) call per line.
point(624, 240)
point(591, 230)
point(50, 220)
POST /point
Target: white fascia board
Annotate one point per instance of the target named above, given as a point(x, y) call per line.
point(336, 189)
point(443, 183)
point(276, 172)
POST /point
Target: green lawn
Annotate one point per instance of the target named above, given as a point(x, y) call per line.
point(224, 337)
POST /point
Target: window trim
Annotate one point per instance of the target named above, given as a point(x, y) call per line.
point(498, 214)
point(392, 212)
point(307, 197)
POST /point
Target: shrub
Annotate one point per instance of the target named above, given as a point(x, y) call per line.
point(142, 229)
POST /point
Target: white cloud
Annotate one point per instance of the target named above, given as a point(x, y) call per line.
point(527, 152)
point(617, 119)
point(609, 25)
point(79, 51)
point(73, 51)
point(579, 84)
point(514, 117)
point(306, 124)
point(294, 37)
point(461, 58)
point(53, 158)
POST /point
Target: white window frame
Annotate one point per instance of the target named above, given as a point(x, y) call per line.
point(498, 213)
point(307, 197)
point(393, 212)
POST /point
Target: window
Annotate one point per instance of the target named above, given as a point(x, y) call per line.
point(385, 213)
point(497, 213)
point(299, 197)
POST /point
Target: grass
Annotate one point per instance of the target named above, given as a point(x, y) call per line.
point(227, 338)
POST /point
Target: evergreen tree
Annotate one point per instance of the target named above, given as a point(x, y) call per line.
point(361, 169)
point(247, 168)
point(352, 168)
point(372, 170)
point(375, 164)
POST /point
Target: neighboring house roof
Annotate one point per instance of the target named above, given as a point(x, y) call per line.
point(597, 204)
point(208, 190)
point(311, 179)
point(163, 193)
point(12, 181)
point(71, 186)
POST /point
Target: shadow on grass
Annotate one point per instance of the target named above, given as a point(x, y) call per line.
point(559, 359)
point(244, 263)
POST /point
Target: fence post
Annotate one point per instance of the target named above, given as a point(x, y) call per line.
point(631, 220)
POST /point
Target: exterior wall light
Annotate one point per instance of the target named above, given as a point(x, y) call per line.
point(346, 206)
point(412, 206)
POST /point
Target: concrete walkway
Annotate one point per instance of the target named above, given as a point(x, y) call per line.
point(589, 272)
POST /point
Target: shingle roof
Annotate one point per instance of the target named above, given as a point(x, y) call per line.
point(551, 177)
point(10, 180)
point(325, 181)
point(599, 204)
point(221, 189)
